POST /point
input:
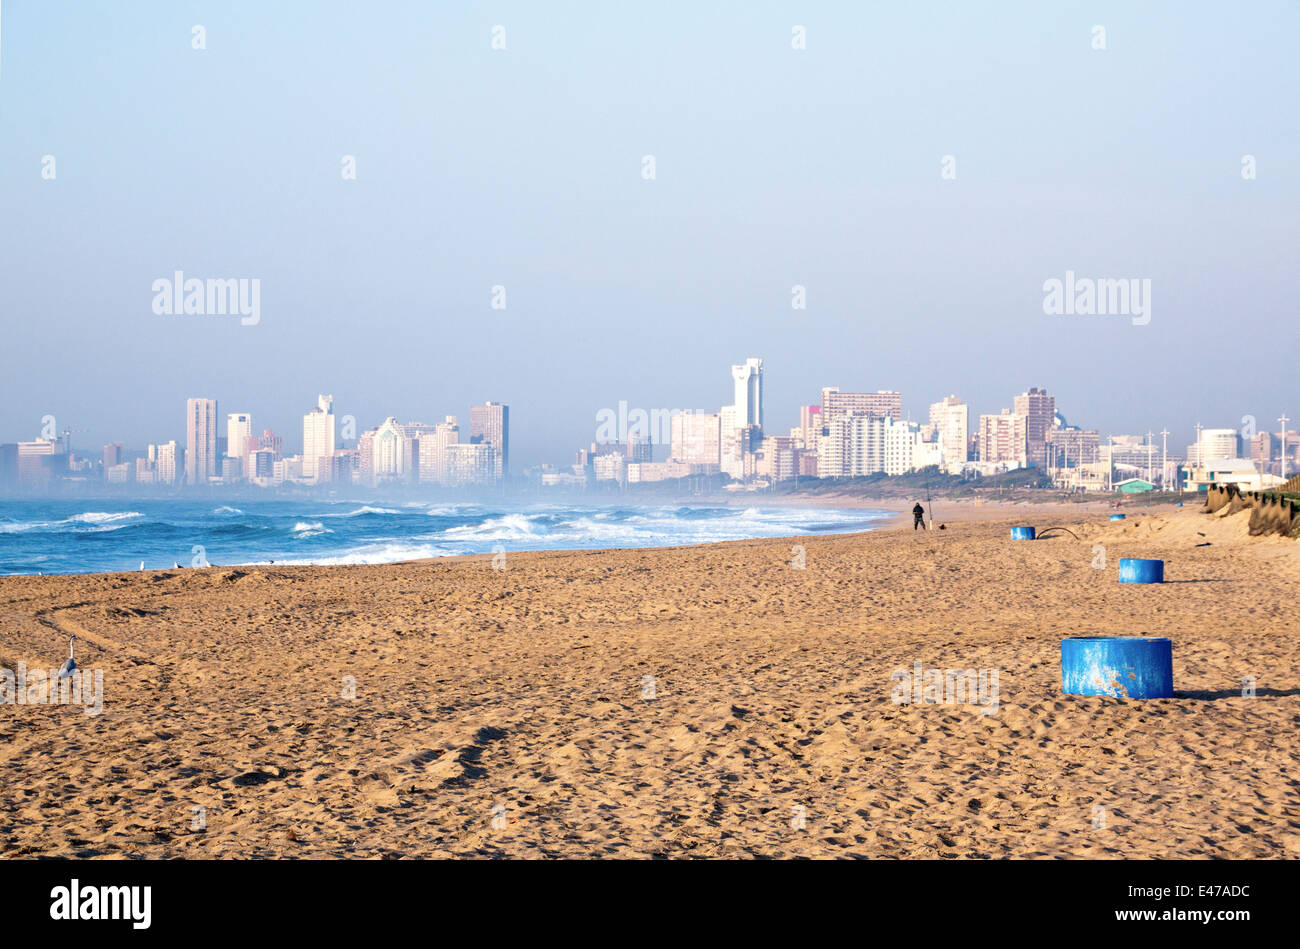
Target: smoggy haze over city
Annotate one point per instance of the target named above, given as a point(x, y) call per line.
point(524, 168)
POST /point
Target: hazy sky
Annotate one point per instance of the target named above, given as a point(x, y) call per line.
point(523, 168)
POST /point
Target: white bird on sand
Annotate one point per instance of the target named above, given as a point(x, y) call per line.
point(70, 664)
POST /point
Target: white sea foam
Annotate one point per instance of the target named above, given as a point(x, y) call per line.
point(103, 517)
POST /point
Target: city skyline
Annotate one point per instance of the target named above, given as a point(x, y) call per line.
point(844, 434)
point(872, 221)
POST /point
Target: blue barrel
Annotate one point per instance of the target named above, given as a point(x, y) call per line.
point(1118, 517)
point(1022, 533)
point(1135, 667)
point(1135, 570)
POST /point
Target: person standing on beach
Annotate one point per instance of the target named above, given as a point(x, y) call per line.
point(918, 517)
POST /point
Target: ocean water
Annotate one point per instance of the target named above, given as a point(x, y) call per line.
point(79, 536)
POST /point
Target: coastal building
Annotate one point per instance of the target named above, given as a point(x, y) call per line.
point(164, 462)
point(470, 464)
point(1039, 411)
point(35, 462)
point(853, 447)
point(384, 454)
point(1002, 439)
point(611, 466)
point(259, 465)
point(646, 471)
point(1211, 445)
point(432, 450)
point(810, 426)
point(696, 438)
point(1069, 446)
point(287, 469)
point(748, 382)
point(489, 424)
point(878, 404)
point(317, 437)
point(239, 428)
point(112, 455)
point(200, 440)
point(950, 420)
point(638, 448)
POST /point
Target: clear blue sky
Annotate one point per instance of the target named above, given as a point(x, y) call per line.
point(522, 167)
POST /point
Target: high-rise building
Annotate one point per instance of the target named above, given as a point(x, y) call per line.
point(35, 462)
point(270, 441)
point(1214, 444)
point(317, 436)
point(1039, 410)
point(638, 448)
point(433, 450)
point(387, 453)
point(259, 465)
point(471, 464)
point(200, 440)
point(1070, 447)
point(696, 438)
point(731, 453)
point(164, 461)
point(810, 425)
point(239, 428)
point(112, 455)
point(951, 421)
point(879, 404)
point(490, 424)
point(1003, 440)
point(852, 447)
point(748, 381)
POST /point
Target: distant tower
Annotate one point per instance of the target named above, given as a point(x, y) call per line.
point(239, 426)
point(749, 393)
point(1039, 410)
point(318, 438)
point(490, 424)
point(200, 440)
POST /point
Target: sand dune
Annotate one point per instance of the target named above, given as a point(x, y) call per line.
point(706, 702)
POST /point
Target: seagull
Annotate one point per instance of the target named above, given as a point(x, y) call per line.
point(69, 665)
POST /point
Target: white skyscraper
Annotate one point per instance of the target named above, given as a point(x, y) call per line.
point(200, 440)
point(749, 393)
point(317, 437)
point(239, 426)
point(951, 421)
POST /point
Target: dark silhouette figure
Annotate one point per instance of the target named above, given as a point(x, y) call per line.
point(918, 517)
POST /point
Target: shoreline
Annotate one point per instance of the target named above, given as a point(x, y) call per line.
point(661, 702)
point(895, 516)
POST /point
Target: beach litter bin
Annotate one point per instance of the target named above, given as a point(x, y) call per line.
point(1137, 570)
point(1135, 667)
point(1022, 533)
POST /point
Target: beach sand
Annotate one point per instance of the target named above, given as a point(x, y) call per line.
point(708, 701)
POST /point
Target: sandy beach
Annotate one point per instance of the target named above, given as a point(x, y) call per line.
point(710, 701)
